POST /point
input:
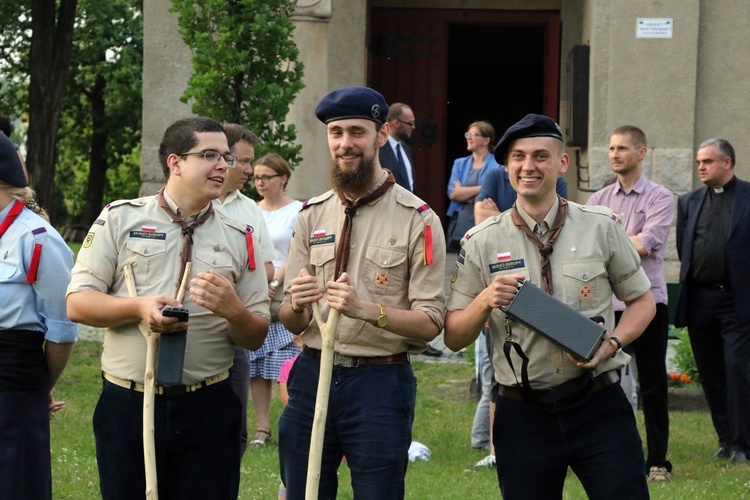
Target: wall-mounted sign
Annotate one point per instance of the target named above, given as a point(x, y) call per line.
point(653, 27)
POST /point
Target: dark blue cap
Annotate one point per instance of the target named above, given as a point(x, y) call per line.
point(352, 102)
point(11, 170)
point(530, 126)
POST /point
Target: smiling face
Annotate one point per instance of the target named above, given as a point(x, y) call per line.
point(194, 181)
point(354, 147)
point(533, 166)
point(238, 176)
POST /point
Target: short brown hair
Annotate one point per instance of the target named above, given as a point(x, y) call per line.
point(276, 163)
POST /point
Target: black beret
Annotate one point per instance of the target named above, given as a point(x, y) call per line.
point(530, 126)
point(352, 102)
point(11, 170)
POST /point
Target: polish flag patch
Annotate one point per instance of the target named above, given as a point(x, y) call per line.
point(503, 256)
point(319, 232)
point(149, 229)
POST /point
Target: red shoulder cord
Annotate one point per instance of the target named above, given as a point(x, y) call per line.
point(250, 249)
point(36, 256)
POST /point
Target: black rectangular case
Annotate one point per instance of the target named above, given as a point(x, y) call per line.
point(560, 323)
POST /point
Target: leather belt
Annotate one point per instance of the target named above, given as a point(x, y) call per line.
point(355, 361)
point(168, 390)
point(600, 382)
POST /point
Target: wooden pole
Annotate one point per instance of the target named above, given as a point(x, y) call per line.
point(328, 333)
point(149, 388)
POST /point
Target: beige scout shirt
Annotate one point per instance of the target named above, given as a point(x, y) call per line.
point(592, 258)
point(385, 263)
point(139, 233)
point(241, 208)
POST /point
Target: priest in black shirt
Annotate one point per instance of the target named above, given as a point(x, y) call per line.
point(713, 243)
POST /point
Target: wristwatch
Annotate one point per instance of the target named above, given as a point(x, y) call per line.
point(619, 345)
point(382, 320)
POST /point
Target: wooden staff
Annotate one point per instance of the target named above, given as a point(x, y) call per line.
point(328, 333)
point(149, 385)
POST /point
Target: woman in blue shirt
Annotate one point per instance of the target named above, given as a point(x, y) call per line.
point(467, 174)
point(36, 338)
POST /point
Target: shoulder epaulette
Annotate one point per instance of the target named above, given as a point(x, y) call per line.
point(137, 202)
point(317, 199)
point(409, 200)
point(598, 209)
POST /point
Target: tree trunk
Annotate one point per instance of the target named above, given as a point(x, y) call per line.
point(49, 65)
point(98, 163)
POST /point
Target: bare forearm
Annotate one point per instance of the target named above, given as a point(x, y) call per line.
point(56, 356)
point(95, 308)
point(413, 324)
point(462, 327)
point(295, 322)
point(635, 318)
point(464, 193)
point(248, 329)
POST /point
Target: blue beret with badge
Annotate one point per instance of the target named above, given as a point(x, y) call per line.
point(352, 102)
point(530, 126)
point(11, 170)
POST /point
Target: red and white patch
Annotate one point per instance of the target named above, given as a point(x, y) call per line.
point(319, 232)
point(503, 256)
point(381, 279)
point(585, 291)
point(149, 229)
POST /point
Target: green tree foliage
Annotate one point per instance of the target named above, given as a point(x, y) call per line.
point(245, 66)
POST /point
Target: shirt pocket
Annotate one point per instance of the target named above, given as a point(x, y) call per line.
point(147, 260)
point(323, 259)
point(207, 259)
point(586, 284)
point(384, 271)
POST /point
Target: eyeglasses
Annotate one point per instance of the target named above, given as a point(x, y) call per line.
point(411, 124)
point(472, 135)
point(264, 178)
point(212, 155)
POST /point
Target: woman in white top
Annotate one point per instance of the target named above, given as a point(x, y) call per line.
point(271, 174)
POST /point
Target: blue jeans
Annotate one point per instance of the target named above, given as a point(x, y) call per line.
point(197, 439)
point(370, 415)
point(598, 440)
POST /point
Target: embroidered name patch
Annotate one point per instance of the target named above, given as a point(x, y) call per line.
point(506, 265)
point(321, 240)
point(148, 235)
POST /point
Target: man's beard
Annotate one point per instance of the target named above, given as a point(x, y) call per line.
point(403, 135)
point(356, 181)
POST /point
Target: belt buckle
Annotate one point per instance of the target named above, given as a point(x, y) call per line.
point(343, 360)
point(172, 391)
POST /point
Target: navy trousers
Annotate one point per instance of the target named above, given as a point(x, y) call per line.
point(370, 416)
point(598, 440)
point(197, 438)
point(650, 350)
point(721, 346)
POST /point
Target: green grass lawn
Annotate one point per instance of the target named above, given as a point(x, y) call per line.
point(443, 423)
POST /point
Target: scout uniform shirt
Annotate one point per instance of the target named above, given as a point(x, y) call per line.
point(386, 263)
point(592, 258)
point(241, 208)
point(138, 232)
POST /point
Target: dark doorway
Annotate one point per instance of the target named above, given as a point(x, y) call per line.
point(456, 66)
point(495, 73)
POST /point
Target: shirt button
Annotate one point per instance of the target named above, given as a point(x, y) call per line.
point(585, 276)
point(385, 262)
point(343, 346)
point(354, 245)
point(319, 261)
point(145, 252)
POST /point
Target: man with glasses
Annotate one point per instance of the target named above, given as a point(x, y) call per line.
point(396, 156)
point(197, 421)
point(236, 205)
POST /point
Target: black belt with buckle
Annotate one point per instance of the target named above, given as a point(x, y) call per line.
point(355, 361)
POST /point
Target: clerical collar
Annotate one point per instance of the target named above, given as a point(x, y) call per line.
point(725, 187)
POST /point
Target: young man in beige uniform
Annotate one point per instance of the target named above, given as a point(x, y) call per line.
point(198, 421)
point(373, 251)
point(580, 255)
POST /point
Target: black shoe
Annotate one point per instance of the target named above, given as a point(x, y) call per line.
point(737, 457)
point(722, 452)
point(431, 351)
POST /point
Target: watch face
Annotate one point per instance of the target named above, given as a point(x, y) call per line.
point(382, 321)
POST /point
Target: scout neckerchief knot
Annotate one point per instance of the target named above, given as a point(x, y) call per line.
point(187, 229)
point(544, 249)
point(14, 212)
point(342, 252)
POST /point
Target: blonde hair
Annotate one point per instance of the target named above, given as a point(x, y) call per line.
point(27, 196)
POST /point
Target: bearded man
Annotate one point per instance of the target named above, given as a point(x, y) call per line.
point(375, 252)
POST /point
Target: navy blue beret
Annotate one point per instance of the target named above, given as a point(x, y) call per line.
point(11, 170)
point(352, 102)
point(530, 126)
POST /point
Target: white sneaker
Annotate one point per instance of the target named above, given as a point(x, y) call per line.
point(487, 462)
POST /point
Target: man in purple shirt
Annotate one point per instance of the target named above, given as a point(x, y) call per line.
point(646, 210)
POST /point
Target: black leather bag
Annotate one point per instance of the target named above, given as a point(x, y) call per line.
point(460, 222)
